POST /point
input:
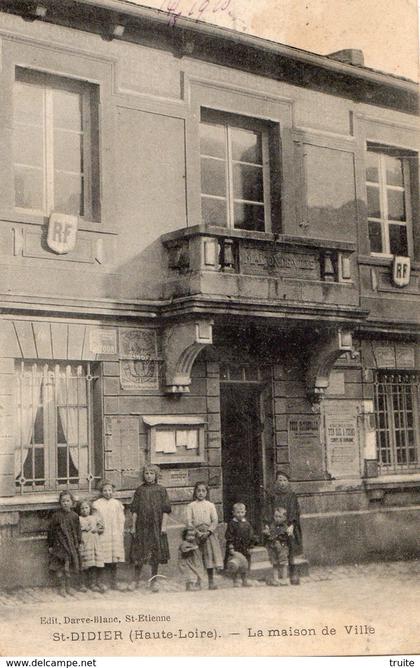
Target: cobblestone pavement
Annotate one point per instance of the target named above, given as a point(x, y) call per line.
point(393, 570)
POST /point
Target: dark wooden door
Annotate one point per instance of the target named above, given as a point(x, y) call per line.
point(241, 449)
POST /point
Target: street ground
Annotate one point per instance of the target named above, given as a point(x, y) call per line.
point(342, 610)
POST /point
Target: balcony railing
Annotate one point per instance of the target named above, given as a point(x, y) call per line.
point(294, 268)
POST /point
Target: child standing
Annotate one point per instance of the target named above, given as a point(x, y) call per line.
point(239, 535)
point(276, 537)
point(150, 508)
point(64, 538)
point(190, 562)
point(91, 558)
point(202, 515)
point(111, 541)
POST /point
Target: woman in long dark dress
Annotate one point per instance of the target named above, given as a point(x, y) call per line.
point(150, 508)
point(282, 496)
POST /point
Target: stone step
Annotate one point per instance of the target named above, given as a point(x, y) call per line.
point(258, 553)
point(261, 566)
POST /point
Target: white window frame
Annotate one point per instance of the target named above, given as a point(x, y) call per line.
point(229, 122)
point(49, 83)
point(383, 186)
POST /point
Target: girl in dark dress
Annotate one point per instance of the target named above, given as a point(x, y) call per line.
point(150, 508)
point(64, 538)
point(282, 496)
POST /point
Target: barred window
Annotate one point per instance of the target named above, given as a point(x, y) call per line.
point(397, 419)
point(55, 445)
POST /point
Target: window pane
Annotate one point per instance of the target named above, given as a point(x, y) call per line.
point(213, 211)
point(67, 110)
point(396, 205)
point(68, 151)
point(248, 183)
point(246, 145)
point(28, 188)
point(28, 146)
point(398, 239)
point(213, 177)
point(394, 171)
point(39, 463)
point(68, 193)
point(375, 237)
point(213, 140)
point(29, 104)
point(374, 209)
point(372, 166)
point(249, 217)
point(38, 430)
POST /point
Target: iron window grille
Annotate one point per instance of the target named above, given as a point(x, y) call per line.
point(397, 420)
point(55, 445)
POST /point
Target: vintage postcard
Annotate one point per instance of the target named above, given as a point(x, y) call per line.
point(209, 328)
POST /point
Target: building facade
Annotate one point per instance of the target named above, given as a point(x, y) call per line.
point(210, 260)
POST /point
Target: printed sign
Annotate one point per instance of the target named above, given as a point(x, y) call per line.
point(385, 357)
point(405, 357)
point(305, 448)
point(122, 449)
point(103, 341)
point(342, 440)
point(62, 233)
point(401, 271)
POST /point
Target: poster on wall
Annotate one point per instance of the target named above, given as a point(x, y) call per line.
point(342, 439)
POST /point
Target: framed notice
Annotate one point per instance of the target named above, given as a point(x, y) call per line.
point(342, 438)
point(175, 439)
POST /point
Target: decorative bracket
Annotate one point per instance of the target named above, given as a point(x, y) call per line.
point(181, 344)
point(321, 361)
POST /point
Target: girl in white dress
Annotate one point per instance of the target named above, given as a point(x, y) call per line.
point(111, 541)
point(202, 515)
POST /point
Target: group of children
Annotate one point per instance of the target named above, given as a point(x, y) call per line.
point(90, 542)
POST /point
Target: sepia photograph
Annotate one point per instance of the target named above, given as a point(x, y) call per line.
point(209, 328)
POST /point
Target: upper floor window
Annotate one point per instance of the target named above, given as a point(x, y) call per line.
point(388, 201)
point(54, 145)
point(235, 172)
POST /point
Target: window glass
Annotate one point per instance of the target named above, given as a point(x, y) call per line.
point(375, 237)
point(387, 202)
point(394, 171)
point(248, 183)
point(54, 445)
point(396, 204)
point(213, 177)
point(52, 147)
point(212, 140)
point(249, 217)
point(396, 395)
point(372, 167)
point(214, 211)
point(398, 239)
point(234, 174)
point(374, 209)
point(246, 146)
